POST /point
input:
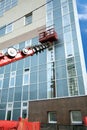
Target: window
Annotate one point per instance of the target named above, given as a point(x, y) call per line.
point(2, 30)
point(1, 8)
point(52, 117)
point(6, 5)
point(63, 2)
point(1, 80)
point(24, 111)
point(73, 86)
point(14, 3)
point(9, 115)
point(49, 15)
point(51, 84)
point(8, 28)
point(12, 79)
point(66, 20)
point(65, 9)
point(51, 73)
point(72, 79)
point(28, 19)
point(76, 117)
point(9, 111)
point(68, 44)
point(26, 77)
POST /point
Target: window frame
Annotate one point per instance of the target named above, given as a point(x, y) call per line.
point(1, 79)
point(7, 30)
point(29, 15)
point(64, 7)
point(49, 118)
point(9, 109)
point(71, 117)
point(26, 72)
point(24, 107)
point(12, 76)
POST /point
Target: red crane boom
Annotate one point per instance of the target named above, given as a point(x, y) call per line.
point(46, 38)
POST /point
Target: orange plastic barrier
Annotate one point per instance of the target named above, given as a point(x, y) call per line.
point(7, 125)
point(22, 124)
point(34, 125)
point(1, 128)
point(25, 125)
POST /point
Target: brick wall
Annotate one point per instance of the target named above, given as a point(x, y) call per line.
point(38, 109)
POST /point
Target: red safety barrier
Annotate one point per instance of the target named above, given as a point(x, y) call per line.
point(1, 128)
point(34, 125)
point(22, 124)
point(7, 125)
point(25, 125)
point(85, 120)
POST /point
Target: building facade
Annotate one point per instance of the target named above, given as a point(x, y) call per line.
point(57, 72)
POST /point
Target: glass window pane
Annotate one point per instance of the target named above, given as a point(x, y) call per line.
point(25, 93)
point(17, 104)
point(13, 66)
point(62, 89)
point(1, 7)
point(52, 117)
point(1, 70)
point(34, 60)
point(9, 115)
point(33, 77)
point(61, 72)
point(81, 84)
point(12, 79)
point(2, 114)
point(42, 76)
point(13, 3)
point(4, 95)
point(7, 4)
point(12, 82)
point(16, 114)
point(2, 30)
point(18, 93)
point(76, 117)
point(27, 62)
point(28, 19)
point(1, 80)
point(43, 90)
point(7, 68)
point(73, 86)
point(20, 64)
point(66, 20)
point(9, 28)
point(26, 79)
point(19, 81)
point(33, 91)
point(59, 52)
point(2, 106)
point(11, 94)
point(24, 113)
point(42, 57)
point(65, 9)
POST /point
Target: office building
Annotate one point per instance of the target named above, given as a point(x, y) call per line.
point(47, 86)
